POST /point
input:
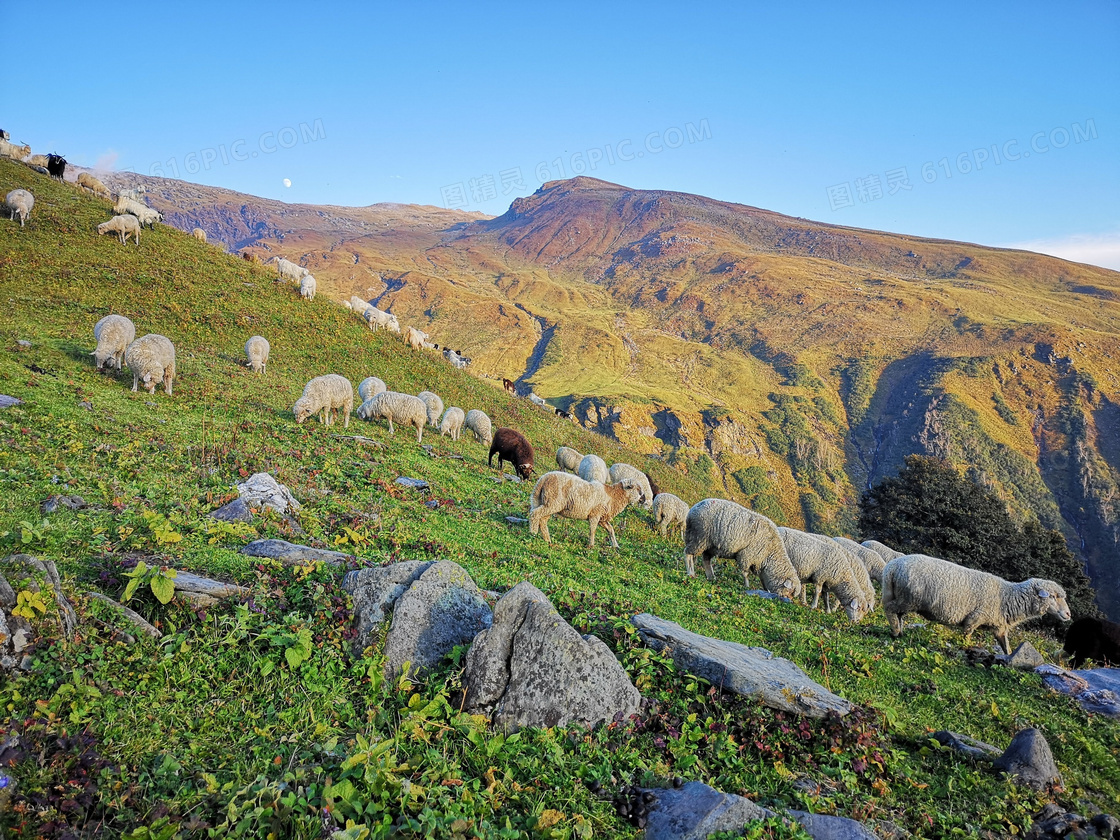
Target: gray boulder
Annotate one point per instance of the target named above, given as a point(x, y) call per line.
point(1025, 658)
point(374, 591)
point(533, 669)
point(8, 402)
point(1029, 761)
point(261, 490)
point(825, 827)
point(441, 609)
point(235, 511)
point(1097, 690)
point(696, 810)
point(292, 554)
point(750, 671)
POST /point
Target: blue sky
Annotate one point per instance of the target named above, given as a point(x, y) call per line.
point(996, 123)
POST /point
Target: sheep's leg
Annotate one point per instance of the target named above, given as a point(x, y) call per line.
point(543, 519)
point(1003, 637)
point(817, 594)
point(420, 433)
point(391, 426)
point(610, 530)
point(689, 565)
point(709, 571)
point(594, 523)
point(135, 380)
point(969, 625)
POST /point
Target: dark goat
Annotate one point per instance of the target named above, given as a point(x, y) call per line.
point(56, 166)
point(508, 385)
point(1093, 638)
point(511, 445)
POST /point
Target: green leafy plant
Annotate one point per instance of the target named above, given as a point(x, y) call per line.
point(293, 638)
point(160, 579)
point(29, 604)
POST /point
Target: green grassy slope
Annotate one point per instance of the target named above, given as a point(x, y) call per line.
point(212, 729)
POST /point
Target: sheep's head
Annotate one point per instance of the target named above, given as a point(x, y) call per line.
point(789, 587)
point(634, 493)
point(525, 470)
point(302, 409)
point(100, 358)
point(1051, 599)
point(103, 228)
point(856, 610)
point(149, 383)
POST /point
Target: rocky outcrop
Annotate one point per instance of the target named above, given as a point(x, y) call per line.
point(533, 669)
point(750, 671)
point(1029, 762)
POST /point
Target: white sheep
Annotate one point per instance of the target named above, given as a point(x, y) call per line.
point(435, 407)
point(669, 510)
point(369, 386)
point(820, 561)
point(92, 184)
point(568, 459)
point(199, 234)
point(872, 561)
point(452, 423)
point(379, 318)
point(478, 421)
point(457, 361)
point(290, 270)
point(147, 215)
point(307, 287)
point(396, 407)
point(19, 202)
point(124, 226)
point(957, 596)
point(593, 468)
point(113, 334)
point(533, 398)
point(885, 551)
point(722, 528)
point(256, 353)
point(326, 396)
point(415, 338)
point(151, 358)
point(563, 494)
point(619, 471)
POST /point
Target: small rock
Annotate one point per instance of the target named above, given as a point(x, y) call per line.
point(517, 520)
point(1025, 657)
point(262, 490)
point(204, 591)
point(235, 511)
point(414, 483)
point(1028, 759)
point(966, 745)
point(697, 810)
point(86, 404)
point(8, 402)
point(769, 596)
point(432, 503)
point(53, 503)
point(1106, 825)
point(825, 827)
point(24, 343)
point(1058, 825)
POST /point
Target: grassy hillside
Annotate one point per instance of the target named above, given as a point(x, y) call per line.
point(211, 731)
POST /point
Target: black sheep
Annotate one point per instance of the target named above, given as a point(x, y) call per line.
point(512, 446)
point(1093, 638)
point(56, 166)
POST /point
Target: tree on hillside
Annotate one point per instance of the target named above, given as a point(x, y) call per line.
point(930, 508)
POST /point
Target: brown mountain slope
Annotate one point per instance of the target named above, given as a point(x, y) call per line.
point(800, 360)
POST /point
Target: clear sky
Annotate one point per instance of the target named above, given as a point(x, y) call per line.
point(996, 123)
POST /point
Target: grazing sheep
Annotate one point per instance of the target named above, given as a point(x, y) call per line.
point(885, 551)
point(19, 202)
point(91, 183)
point(307, 287)
point(563, 494)
point(124, 226)
point(458, 362)
point(568, 459)
point(1093, 638)
point(479, 423)
point(593, 468)
point(872, 561)
point(669, 510)
point(452, 423)
point(620, 471)
point(256, 351)
point(533, 398)
point(290, 270)
point(435, 407)
point(56, 166)
point(415, 338)
point(11, 150)
point(326, 395)
point(956, 596)
point(396, 407)
point(510, 445)
point(199, 234)
point(370, 386)
point(147, 215)
point(820, 561)
point(113, 334)
point(380, 318)
point(151, 358)
point(722, 528)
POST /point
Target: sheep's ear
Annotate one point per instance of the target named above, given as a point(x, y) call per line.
point(788, 583)
point(93, 354)
point(1043, 594)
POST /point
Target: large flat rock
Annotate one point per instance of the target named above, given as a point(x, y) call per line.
point(293, 554)
point(750, 671)
point(696, 810)
point(533, 669)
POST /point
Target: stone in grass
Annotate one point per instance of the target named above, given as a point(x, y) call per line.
point(8, 402)
point(261, 490)
point(964, 744)
point(293, 554)
point(235, 511)
point(374, 591)
point(1025, 658)
point(1029, 761)
point(414, 483)
point(443, 608)
point(53, 503)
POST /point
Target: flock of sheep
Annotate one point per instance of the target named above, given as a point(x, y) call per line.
point(786, 560)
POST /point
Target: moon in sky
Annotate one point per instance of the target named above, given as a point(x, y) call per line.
point(287, 182)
